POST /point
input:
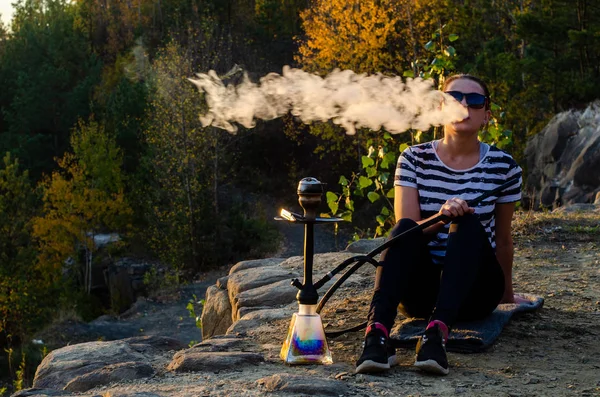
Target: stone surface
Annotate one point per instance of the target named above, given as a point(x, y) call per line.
point(247, 279)
point(94, 361)
point(243, 265)
point(193, 360)
point(224, 343)
point(273, 295)
point(257, 318)
point(304, 385)
point(36, 392)
point(563, 160)
point(365, 246)
point(108, 374)
point(216, 313)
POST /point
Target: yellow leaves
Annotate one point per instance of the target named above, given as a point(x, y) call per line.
point(349, 35)
point(84, 196)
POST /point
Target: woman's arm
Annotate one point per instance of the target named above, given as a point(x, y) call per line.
point(504, 247)
point(406, 205)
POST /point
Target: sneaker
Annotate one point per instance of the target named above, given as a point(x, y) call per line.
point(376, 354)
point(431, 352)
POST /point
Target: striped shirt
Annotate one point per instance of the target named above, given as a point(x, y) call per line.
point(420, 167)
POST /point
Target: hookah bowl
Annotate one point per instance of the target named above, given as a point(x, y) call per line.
point(306, 342)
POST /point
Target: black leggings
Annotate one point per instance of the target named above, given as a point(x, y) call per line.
point(469, 285)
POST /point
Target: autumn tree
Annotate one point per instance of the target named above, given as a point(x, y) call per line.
point(81, 199)
point(178, 198)
point(22, 297)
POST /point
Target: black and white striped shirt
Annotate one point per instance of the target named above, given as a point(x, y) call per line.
point(420, 167)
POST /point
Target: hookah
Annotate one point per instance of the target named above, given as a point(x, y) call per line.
point(306, 341)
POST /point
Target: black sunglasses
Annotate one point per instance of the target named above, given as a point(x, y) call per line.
point(474, 100)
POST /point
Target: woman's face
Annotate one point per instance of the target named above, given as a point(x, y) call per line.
point(477, 118)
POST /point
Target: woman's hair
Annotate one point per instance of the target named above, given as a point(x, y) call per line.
point(483, 85)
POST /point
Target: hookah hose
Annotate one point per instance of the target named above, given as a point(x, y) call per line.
point(362, 259)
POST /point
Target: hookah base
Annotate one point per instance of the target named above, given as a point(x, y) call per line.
point(305, 342)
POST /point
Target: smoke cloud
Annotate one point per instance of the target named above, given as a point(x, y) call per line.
point(348, 99)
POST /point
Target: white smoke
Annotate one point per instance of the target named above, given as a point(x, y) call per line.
point(348, 99)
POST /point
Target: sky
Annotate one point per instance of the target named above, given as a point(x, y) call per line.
point(6, 9)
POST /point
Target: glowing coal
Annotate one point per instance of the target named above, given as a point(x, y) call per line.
point(348, 99)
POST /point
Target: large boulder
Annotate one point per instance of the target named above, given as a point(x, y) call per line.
point(259, 291)
point(216, 312)
point(78, 368)
point(563, 160)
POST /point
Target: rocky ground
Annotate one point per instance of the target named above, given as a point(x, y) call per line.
point(553, 351)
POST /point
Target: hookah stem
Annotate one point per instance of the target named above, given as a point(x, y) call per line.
point(362, 259)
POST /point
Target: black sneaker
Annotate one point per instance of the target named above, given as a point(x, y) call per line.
point(431, 352)
point(376, 354)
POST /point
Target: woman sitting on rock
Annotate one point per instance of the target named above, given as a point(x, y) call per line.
point(455, 270)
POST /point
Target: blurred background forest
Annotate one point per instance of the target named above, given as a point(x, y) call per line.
point(99, 127)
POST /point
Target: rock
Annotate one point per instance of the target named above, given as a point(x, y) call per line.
point(108, 374)
point(36, 392)
point(579, 208)
point(563, 160)
point(271, 295)
point(222, 282)
point(192, 360)
point(365, 246)
point(140, 394)
point(258, 318)
point(304, 385)
point(223, 344)
point(247, 279)
point(62, 365)
point(322, 263)
point(255, 263)
point(242, 311)
point(153, 344)
point(597, 199)
point(216, 313)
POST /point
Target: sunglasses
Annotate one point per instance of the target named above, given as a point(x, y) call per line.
point(474, 100)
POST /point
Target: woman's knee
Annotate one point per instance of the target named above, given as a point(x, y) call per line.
point(466, 223)
point(402, 226)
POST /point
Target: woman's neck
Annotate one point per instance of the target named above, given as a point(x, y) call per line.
point(459, 152)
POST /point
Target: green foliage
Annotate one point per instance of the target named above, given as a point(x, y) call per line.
point(441, 57)
point(47, 72)
point(191, 308)
point(82, 199)
point(373, 186)
point(22, 295)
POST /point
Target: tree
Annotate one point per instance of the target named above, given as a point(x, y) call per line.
point(47, 73)
point(349, 35)
point(21, 293)
point(82, 198)
point(180, 207)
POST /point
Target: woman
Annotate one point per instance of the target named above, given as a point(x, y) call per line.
point(455, 270)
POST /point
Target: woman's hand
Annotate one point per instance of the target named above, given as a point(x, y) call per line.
point(455, 207)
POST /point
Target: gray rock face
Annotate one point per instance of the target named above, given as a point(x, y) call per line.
point(190, 360)
point(563, 161)
point(216, 313)
point(35, 392)
point(273, 295)
point(305, 385)
point(365, 246)
point(108, 374)
point(254, 319)
point(86, 365)
point(260, 290)
point(255, 263)
point(247, 279)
